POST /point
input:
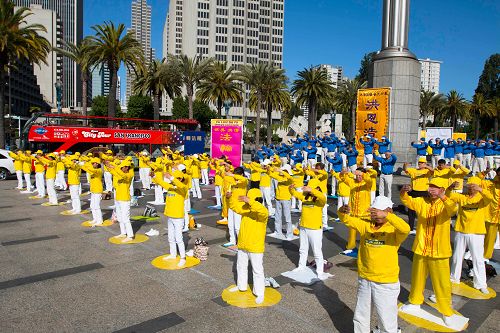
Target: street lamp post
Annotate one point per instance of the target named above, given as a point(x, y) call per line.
point(227, 105)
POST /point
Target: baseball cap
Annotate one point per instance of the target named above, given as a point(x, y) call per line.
point(438, 182)
point(422, 160)
point(474, 180)
point(181, 167)
point(254, 193)
point(95, 160)
point(382, 203)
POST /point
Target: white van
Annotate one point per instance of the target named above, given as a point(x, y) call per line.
point(6, 165)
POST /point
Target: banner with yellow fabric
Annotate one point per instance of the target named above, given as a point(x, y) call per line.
point(372, 113)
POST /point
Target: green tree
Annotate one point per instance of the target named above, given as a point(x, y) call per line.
point(489, 81)
point(293, 111)
point(364, 68)
point(494, 111)
point(430, 102)
point(140, 107)
point(314, 89)
point(160, 76)
point(18, 42)
point(480, 107)
point(99, 108)
point(201, 111)
point(193, 71)
point(219, 86)
point(455, 108)
point(180, 108)
point(112, 47)
point(346, 99)
point(80, 54)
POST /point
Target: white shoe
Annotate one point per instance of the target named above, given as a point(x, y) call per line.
point(127, 239)
point(413, 232)
point(259, 300)
point(121, 236)
point(455, 322)
point(181, 263)
point(234, 289)
point(432, 298)
point(347, 251)
point(323, 276)
point(410, 308)
point(484, 291)
point(170, 257)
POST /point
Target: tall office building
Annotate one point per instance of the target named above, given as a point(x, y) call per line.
point(141, 27)
point(70, 13)
point(100, 81)
point(335, 73)
point(236, 31)
point(430, 70)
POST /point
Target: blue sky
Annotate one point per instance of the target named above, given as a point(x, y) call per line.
point(461, 33)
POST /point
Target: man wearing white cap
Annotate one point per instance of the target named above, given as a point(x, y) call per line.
point(283, 197)
point(378, 267)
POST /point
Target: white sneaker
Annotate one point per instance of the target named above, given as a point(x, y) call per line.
point(323, 276)
point(259, 300)
point(233, 289)
point(410, 308)
point(484, 291)
point(455, 322)
point(432, 298)
point(413, 232)
point(181, 263)
point(347, 251)
point(127, 239)
point(170, 257)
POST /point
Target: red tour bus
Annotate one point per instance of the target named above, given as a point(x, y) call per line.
point(55, 132)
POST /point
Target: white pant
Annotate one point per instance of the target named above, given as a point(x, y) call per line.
point(122, 209)
point(95, 206)
point(385, 299)
point(145, 178)
point(108, 181)
point(266, 195)
point(257, 270)
point(27, 178)
point(40, 183)
point(312, 162)
point(187, 208)
point(479, 165)
point(475, 243)
point(158, 194)
point(315, 239)
point(196, 188)
point(19, 175)
point(367, 158)
point(74, 191)
point(489, 161)
point(51, 191)
point(385, 183)
point(334, 185)
point(233, 224)
point(218, 195)
point(467, 160)
point(204, 177)
point(324, 216)
point(61, 181)
point(459, 157)
point(449, 160)
point(373, 194)
point(353, 168)
point(283, 208)
point(434, 160)
point(175, 236)
point(344, 160)
point(342, 201)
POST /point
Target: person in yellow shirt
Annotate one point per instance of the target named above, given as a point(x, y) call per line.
point(459, 172)
point(265, 186)
point(432, 249)
point(85, 159)
point(283, 204)
point(251, 242)
point(343, 189)
point(443, 171)
point(196, 175)
point(255, 171)
point(419, 183)
point(226, 185)
point(18, 167)
point(26, 158)
point(216, 164)
point(93, 168)
point(108, 178)
point(49, 162)
point(311, 227)
point(319, 173)
point(360, 186)
point(298, 181)
point(39, 174)
point(470, 230)
point(492, 215)
point(74, 169)
point(204, 161)
point(144, 169)
point(238, 184)
point(122, 200)
point(60, 182)
point(174, 210)
point(378, 266)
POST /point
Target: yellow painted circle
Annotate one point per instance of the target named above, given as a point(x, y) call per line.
point(48, 204)
point(171, 264)
point(246, 299)
point(144, 218)
point(68, 212)
point(427, 324)
point(222, 222)
point(138, 238)
point(105, 223)
point(34, 197)
point(467, 290)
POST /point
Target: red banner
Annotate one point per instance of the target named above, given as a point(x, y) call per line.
point(227, 138)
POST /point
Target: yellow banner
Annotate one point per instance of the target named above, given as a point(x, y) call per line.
point(372, 113)
point(226, 122)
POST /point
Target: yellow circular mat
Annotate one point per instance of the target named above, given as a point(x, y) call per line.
point(427, 324)
point(467, 290)
point(35, 197)
point(105, 223)
point(171, 264)
point(48, 204)
point(68, 212)
point(138, 238)
point(84, 194)
point(246, 299)
point(144, 218)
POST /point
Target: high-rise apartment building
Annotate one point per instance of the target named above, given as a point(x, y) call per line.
point(70, 14)
point(430, 74)
point(141, 27)
point(335, 73)
point(100, 81)
point(236, 31)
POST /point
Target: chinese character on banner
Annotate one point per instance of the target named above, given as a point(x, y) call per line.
point(373, 104)
point(229, 129)
point(371, 131)
point(226, 148)
point(371, 117)
point(236, 130)
point(216, 129)
point(226, 137)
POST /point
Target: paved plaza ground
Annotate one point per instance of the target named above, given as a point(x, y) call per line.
point(57, 276)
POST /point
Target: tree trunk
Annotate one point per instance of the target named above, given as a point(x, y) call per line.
point(477, 124)
point(311, 128)
point(496, 127)
point(156, 109)
point(269, 125)
point(453, 121)
point(112, 93)
point(84, 98)
point(424, 122)
point(190, 102)
point(353, 120)
point(257, 121)
point(219, 107)
point(3, 77)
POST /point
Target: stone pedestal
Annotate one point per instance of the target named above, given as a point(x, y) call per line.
point(402, 74)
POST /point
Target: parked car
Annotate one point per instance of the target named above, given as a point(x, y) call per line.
point(6, 165)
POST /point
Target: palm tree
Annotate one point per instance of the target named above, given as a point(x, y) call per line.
point(314, 88)
point(429, 103)
point(80, 54)
point(346, 99)
point(494, 111)
point(160, 76)
point(255, 77)
point(219, 86)
point(110, 47)
point(19, 41)
point(192, 71)
point(455, 107)
point(480, 107)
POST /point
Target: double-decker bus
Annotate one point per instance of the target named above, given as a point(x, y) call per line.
point(55, 132)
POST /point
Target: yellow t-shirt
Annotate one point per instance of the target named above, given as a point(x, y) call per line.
point(252, 234)
point(122, 186)
point(18, 162)
point(284, 181)
point(343, 188)
point(95, 178)
point(176, 195)
point(360, 195)
point(312, 209)
point(471, 212)
point(74, 170)
point(419, 178)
